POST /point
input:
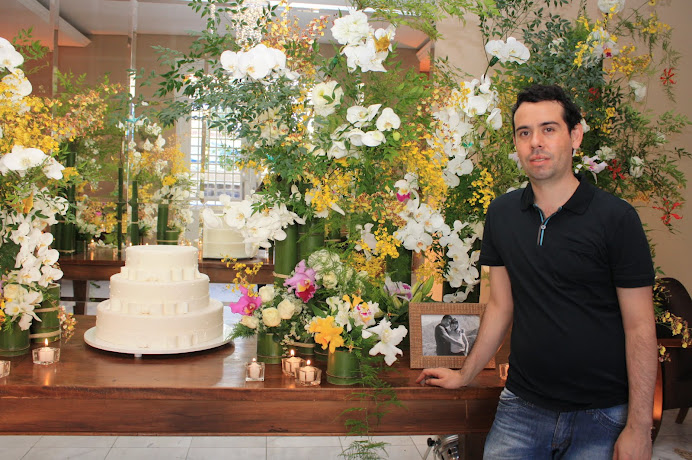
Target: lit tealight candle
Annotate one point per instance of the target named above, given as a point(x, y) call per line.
point(291, 365)
point(308, 375)
point(46, 354)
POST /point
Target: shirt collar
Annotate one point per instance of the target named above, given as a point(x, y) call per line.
point(578, 202)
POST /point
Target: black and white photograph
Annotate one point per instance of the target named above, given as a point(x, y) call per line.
point(443, 334)
point(449, 335)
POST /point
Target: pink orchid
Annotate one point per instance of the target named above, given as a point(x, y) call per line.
point(403, 196)
point(302, 282)
point(246, 304)
point(398, 289)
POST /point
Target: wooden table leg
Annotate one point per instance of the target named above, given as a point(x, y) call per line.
point(80, 290)
point(658, 403)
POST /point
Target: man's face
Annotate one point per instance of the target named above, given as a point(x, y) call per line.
point(543, 141)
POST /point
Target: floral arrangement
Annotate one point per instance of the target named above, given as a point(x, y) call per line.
point(28, 203)
point(324, 299)
point(606, 64)
point(258, 228)
point(159, 175)
point(349, 143)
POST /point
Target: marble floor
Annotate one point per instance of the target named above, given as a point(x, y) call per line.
point(673, 443)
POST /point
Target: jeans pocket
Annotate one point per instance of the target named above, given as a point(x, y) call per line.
point(613, 418)
point(507, 395)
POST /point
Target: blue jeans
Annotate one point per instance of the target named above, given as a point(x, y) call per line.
point(522, 430)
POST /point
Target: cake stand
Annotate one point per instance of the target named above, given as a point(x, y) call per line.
point(91, 339)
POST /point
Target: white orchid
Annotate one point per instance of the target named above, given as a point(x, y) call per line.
point(510, 51)
point(388, 120)
point(10, 59)
point(373, 138)
point(325, 97)
point(636, 167)
point(20, 159)
point(52, 169)
point(388, 340)
point(352, 29)
point(639, 90)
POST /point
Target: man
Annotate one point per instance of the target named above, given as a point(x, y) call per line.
point(443, 339)
point(571, 271)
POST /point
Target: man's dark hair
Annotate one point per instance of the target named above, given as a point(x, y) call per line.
point(539, 93)
point(448, 317)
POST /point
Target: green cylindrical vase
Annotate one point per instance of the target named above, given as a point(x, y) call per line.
point(14, 341)
point(49, 326)
point(311, 238)
point(269, 351)
point(343, 368)
point(286, 252)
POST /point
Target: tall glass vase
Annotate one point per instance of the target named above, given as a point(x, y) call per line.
point(286, 253)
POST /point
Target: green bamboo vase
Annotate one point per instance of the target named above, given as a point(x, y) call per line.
point(311, 238)
point(286, 253)
point(321, 356)
point(14, 341)
point(343, 368)
point(269, 351)
point(49, 326)
point(305, 350)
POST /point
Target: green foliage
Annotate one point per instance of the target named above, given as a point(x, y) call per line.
point(563, 52)
point(31, 49)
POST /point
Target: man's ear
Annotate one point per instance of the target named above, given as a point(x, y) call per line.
point(577, 135)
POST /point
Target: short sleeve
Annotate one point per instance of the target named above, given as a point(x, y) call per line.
point(630, 255)
point(489, 254)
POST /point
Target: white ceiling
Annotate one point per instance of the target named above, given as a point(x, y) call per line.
point(83, 18)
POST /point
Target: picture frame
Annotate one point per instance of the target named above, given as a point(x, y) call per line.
point(431, 346)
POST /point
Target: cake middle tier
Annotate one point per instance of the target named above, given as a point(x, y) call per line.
point(158, 298)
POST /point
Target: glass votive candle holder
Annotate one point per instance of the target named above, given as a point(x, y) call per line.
point(290, 365)
point(308, 375)
point(254, 371)
point(4, 369)
point(504, 370)
point(46, 355)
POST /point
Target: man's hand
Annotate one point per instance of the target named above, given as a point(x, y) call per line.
point(633, 444)
point(441, 377)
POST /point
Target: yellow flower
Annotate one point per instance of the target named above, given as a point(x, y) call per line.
point(327, 333)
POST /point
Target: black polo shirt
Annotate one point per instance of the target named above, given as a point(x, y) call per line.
point(568, 343)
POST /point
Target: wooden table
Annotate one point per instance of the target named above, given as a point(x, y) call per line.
point(84, 267)
point(91, 391)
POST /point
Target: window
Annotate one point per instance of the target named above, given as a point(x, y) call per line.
point(212, 167)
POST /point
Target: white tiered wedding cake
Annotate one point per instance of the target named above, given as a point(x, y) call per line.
point(159, 301)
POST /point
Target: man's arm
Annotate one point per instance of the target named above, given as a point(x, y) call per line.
point(496, 321)
point(636, 305)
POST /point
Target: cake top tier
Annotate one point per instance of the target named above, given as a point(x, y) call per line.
point(158, 257)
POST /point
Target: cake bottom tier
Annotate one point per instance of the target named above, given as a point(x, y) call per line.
point(160, 332)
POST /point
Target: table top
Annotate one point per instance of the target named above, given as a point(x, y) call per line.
point(85, 371)
point(101, 265)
